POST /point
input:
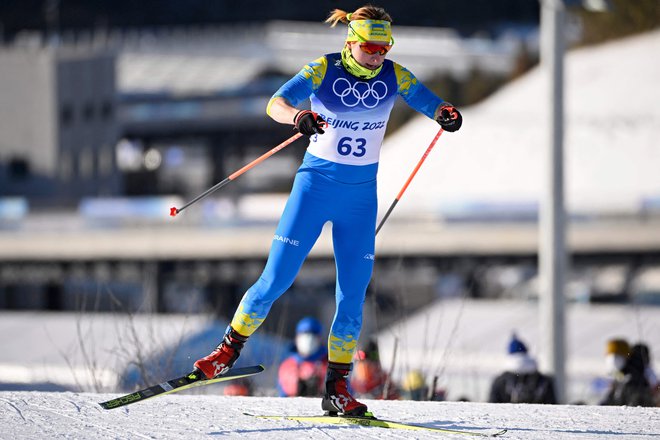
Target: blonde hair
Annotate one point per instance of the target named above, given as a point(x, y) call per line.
point(367, 12)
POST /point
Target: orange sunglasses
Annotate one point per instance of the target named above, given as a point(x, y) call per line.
point(371, 48)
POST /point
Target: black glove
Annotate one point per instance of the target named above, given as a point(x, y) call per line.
point(309, 123)
point(450, 118)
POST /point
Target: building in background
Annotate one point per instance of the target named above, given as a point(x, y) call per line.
point(58, 123)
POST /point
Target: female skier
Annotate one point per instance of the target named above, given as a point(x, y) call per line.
point(352, 94)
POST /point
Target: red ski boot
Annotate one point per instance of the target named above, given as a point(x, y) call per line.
point(337, 398)
point(223, 357)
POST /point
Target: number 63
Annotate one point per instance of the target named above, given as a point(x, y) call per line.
point(345, 146)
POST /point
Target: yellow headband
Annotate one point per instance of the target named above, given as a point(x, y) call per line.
point(369, 30)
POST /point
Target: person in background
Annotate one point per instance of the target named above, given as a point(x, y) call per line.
point(616, 354)
point(649, 372)
point(352, 93)
point(633, 387)
point(369, 380)
point(522, 382)
point(617, 351)
point(302, 372)
point(239, 387)
point(414, 386)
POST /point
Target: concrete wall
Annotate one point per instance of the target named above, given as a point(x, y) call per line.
point(58, 114)
point(27, 108)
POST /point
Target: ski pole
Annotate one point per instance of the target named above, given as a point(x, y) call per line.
point(410, 178)
point(174, 210)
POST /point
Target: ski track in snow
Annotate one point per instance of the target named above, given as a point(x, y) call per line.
point(27, 415)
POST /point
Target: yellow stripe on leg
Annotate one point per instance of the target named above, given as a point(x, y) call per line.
point(246, 323)
point(341, 350)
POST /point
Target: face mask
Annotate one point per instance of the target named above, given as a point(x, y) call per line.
point(307, 344)
point(614, 363)
point(354, 68)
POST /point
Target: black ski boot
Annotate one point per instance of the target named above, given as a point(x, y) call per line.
point(337, 397)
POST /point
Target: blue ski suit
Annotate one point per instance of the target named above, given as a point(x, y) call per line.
point(336, 183)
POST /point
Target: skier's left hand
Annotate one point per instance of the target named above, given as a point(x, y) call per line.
point(449, 117)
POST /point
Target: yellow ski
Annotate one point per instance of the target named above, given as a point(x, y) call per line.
point(379, 423)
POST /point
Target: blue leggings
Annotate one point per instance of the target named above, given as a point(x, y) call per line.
point(316, 199)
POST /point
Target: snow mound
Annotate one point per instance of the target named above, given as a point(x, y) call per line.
point(612, 127)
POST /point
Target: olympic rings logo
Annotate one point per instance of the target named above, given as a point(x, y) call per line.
point(369, 95)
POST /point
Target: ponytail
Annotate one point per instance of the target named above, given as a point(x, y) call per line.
point(336, 16)
point(368, 12)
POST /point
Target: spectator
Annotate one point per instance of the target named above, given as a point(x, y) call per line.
point(302, 372)
point(369, 380)
point(522, 382)
point(240, 387)
point(649, 372)
point(414, 386)
point(616, 353)
point(633, 388)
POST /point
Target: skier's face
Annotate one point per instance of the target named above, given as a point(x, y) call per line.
point(371, 61)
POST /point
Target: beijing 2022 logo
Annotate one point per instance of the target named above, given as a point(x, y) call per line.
point(369, 95)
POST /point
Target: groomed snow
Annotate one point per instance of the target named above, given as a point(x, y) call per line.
point(37, 415)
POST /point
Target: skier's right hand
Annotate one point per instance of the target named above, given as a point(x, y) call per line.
point(309, 123)
point(449, 117)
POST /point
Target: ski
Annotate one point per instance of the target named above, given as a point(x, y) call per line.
point(190, 380)
point(380, 423)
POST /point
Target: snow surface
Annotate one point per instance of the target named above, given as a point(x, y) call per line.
point(69, 415)
point(77, 351)
point(101, 351)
